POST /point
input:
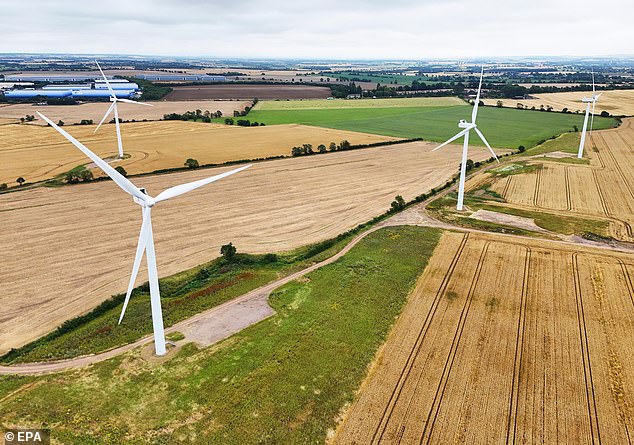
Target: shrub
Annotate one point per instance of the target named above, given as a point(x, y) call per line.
point(4, 186)
point(397, 204)
point(121, 170)
point(20, 180)
point(228, 251)
point(192, 163)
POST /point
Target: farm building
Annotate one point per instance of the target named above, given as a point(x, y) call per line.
point(46, 78)
point(101, 93)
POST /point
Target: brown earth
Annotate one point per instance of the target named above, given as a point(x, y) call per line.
point(505, 341)
point(72, 247)
point(243, 91)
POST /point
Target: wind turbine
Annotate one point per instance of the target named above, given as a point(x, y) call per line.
point(146, 239)
point(468, 126)
point(114, 99)
point(588, 100)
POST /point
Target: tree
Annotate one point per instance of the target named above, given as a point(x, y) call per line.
point(20, 180)
point(321, 148)
point(192, 163)
point(521, 149)
point(499, 104)
point(308, 149)
point(605, 114)
point(332, 147)
point(86, 175)
point(121, 170)
point(4, 186)
point(344, 145)
point(574, 127)
point(469, 165)
point(229, 121)
point(60, 123)
point(397, 204)
point(228, 251)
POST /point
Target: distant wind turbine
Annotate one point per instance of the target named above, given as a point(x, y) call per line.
point(588, 100)
point(114, 99)
point(468, 126)
point(146, 239)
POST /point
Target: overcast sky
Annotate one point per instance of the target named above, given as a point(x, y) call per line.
point(320, 29)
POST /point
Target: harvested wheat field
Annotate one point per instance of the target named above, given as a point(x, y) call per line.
point(71, 114)
point(80, 240)
point(505, 342)
point(38, 153)
point(604, 188)
point(615, 102)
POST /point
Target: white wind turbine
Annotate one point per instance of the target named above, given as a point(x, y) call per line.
point(114, 99)
point(588, 100)
point(468, 126)
point(146, 239)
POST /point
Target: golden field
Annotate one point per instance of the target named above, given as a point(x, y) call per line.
point(71, 114)
point(615, 102)
point(505, 341)
point(37, 153)
point(72, 247)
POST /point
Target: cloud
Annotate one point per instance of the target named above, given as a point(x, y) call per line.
point(326, 29)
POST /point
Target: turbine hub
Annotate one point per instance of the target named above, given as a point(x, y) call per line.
point(147, 202)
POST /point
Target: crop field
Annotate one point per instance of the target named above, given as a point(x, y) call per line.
point(71, 114)
point(505, 341)
point(38, 153)
point(242, 91)
point(615, 102)
point(431, 119)
point(604, 188)
point(80, 240)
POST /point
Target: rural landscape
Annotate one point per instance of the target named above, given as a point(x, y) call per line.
point(345, 239)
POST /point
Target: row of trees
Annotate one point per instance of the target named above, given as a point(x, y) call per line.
point(307, 149)
point(196, 115)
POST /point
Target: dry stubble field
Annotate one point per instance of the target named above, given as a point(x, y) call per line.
point(73, 247)
point(95, 110)
point(603, 189)
point(615, 102)
point(39, 153)
point(505, 341)
point(245, 91)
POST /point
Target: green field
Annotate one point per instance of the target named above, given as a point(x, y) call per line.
point(503, 127)
point(330, 104)
point(282, 381)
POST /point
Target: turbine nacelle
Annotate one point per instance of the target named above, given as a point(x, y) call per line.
point(464, 124)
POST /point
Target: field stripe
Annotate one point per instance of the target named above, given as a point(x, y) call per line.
point(431, 418)
point(396, 392)
point(585, 353)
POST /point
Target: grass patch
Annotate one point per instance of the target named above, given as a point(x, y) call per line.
point(183, 295)
point(503, 127)
point(175, 336)
point(282, 381)
point(515, 168)
point(566, 143)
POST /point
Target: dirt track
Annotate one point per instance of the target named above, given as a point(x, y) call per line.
point(80, 240)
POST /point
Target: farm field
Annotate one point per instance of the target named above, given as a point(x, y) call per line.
point(281, 381)
point(358, 103)
point(435, 120)
point(38, 153)
point(505, 341)
point(604, 188)
point(95, 110)
point(615, 102)
point(80, 239)
point(244, 91)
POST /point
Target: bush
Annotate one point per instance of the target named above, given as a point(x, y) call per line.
point(521, 149)
point(605, 114)
point(192, 163)
point(4, 186)
point(228, 251)
point(20, 180)
point(397, 204)
point(121, 170)
point(321, 148)
point(228, 121)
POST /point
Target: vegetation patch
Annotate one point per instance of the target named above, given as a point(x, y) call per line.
point(281, 381)
point(515, 169)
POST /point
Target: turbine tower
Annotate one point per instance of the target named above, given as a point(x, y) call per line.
point(467, 127)
point(114, 99)
point(146, 239)
point(588, 100)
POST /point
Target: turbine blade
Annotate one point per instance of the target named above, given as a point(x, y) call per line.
point(592, 117)
point(105, 116)
point(128, 101)
point(106, 80)
point(474, 113)
point(117, 177)
point(477, 130)
point(143, 237)
point(449, 141)
point(184, 188)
